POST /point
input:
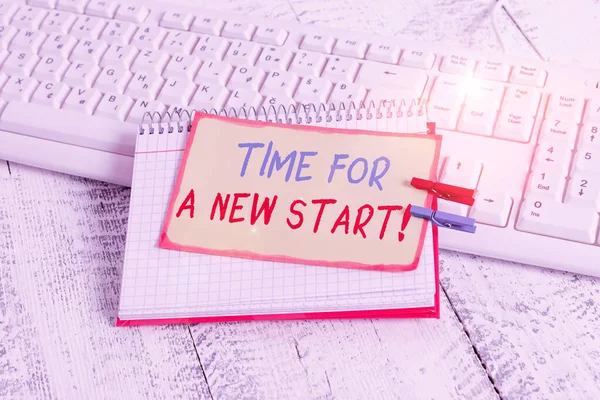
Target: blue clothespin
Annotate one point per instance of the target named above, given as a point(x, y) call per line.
point(444, 219)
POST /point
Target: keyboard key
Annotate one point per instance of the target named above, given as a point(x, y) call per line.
point(449, 88)
point(385, 97)
point(7, 10)
point(453, 207)
point(133, 13)
point(274, 59)
point(50, 93)
point(347, 93)
point(246, 78)
point(211, 48)
point(88, 27)
point(524, 101)
point(564, 107)
point(491, 208)
point(514, 126)
point(444, 113)
point(83, 100)
point(209, 96)
point(350, 48)
point(7, 33)
point(407, 79)
point(318, 42)
point(77, 6)
point(553, 154)
point(546, 217)
point(528, 75)
point(176, 20)
point(19, 88)
point(149, 37)
point(584, 190)
point(59, 45)
point(590, 134)
point(143, 106)
point(81, 73)
point(483, 93)
point(28, 18)
point(277, 100)
point(339, 69)
point(66, 126)
point(51, 68)
point(313, 91)
point(212, 26)
point(308, 63)
point(477, 119)
point(58, 21)
point(118, 32)
point(238, 30)
point(283, 83)
point(27, 40)
point(384, 52)
point(242, 53)
point(150, 60)
point(244, 99)
point(214, 71)
point(20, 63)
point(547, 181)
point(455, 64)
point(461, 172)
point(42, 3)
point(114, 106)
point(560, 130)
point(90, 50)
point(445, 101)
point(417, 59)
point(592, 111)
point(179, 42)
point(113, 78)
point(119, 55)
point(587, 159)
point(270, 35)
point(177, 90)
point(145, 85)
point(495, 70)
point(182, 66)
point(101, 8)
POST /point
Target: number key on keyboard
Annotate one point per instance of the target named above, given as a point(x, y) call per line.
point(553, 154)
point(242, 53)
point(28, 18)
point(274, 59)
point(211, 48)
point(118, 32)
point(179, 42)
point(587, 159)
point(547, 181)
point(149, 37)
point(563, 131)
point(590, 134)
point(88, 27)
point(544, 216)
point(58, 21)
point(584, 190)
point(7, 10)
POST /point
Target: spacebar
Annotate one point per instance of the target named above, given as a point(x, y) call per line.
point(69, 127)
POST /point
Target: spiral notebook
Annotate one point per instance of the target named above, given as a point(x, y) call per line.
point(166, 286)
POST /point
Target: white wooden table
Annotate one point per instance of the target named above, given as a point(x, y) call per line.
point(506, 330)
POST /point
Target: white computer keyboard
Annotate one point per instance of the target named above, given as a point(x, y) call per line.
point(76, 77)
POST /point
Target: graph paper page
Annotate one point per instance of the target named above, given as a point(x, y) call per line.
point(162, 283)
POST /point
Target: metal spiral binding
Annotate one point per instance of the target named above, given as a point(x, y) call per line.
point(180, 120)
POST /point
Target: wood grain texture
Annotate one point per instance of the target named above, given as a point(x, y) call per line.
point(533, 331)
point(61, 252)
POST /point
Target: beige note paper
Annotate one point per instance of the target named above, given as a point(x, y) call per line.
point(301, 194)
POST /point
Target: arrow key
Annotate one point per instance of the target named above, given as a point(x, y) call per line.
point(461, 172)
point(552, 154)
point(491, 208)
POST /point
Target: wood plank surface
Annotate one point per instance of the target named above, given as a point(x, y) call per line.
point(506, 330)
